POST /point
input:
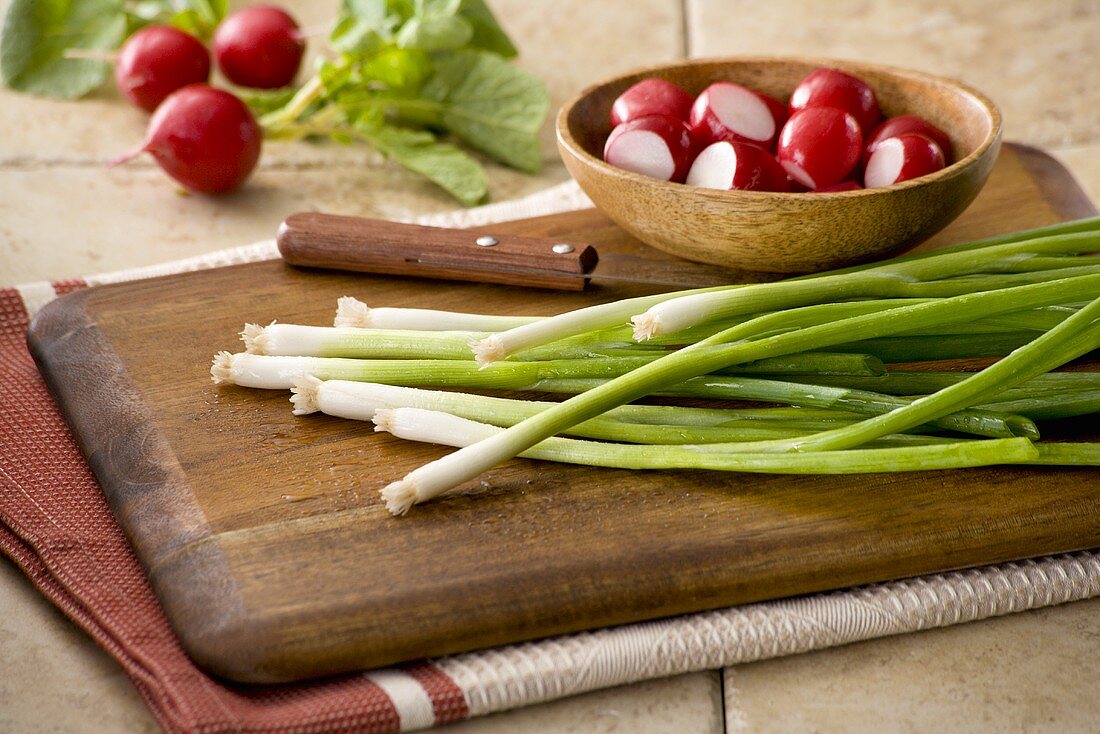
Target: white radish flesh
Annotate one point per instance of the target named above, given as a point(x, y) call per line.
point(731, 112)
point(727, 165)
point(900, 159)
point(651, 97)
point(819, 146)
point(658, 146)
point(902, 125)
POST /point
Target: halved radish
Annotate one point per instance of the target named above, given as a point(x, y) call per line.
point(900, 159)
point(726, 111)
point(848, 185)
point(833, 88)
point(657, 145)
point(819, 146)
point(903, 124)
point(733, 165)
point(651, 97)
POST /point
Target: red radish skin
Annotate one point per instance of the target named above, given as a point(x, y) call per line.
point(657, 145)
point(902, 158)
point(903, 124)
point(819, 146)
point(731, 112)
point(833, 88)
point(842, 186)
point(205, 138)
point(259, 47)
point(795, 187)
point(158, 60)
point(733, 165)
point(651, 97)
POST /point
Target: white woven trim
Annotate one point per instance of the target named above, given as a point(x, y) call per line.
point(262, 250)
point(35, 295)
point(413, 705)
point(520, 675)
point(561, 198)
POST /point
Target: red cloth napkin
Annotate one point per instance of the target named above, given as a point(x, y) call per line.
point(56, 526)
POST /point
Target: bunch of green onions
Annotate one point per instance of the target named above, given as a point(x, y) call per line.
point(825, 348)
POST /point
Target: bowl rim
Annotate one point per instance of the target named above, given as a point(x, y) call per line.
point(567, 142)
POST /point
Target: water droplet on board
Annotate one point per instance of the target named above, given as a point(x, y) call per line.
point(297, 497)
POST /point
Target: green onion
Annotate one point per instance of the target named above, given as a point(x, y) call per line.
point(911, 382)
point(985, 422)
point(499, 346)
point(1049, 406)
point(1077, 335)
point(439, 476)
point(293, 340)
point(429, 426)
point(352, 312)
point(895, 349)
point(361, 400)
point(1068, 454)
point(888, 281)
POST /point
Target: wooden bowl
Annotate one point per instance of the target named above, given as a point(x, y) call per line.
point(786, 233)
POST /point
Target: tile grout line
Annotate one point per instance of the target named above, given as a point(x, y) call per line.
point(722, 697)
point(685, 28)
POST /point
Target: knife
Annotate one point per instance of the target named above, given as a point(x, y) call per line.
point(312, 239)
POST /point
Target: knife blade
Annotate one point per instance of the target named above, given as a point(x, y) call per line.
point(313, 239)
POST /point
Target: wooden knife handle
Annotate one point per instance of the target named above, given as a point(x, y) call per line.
point(317, 240)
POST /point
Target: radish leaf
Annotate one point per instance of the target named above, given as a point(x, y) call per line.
point(488, 34)
point(492, 105)
point(444, 164)
point(37, 33)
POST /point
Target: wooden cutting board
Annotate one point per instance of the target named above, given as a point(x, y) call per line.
point(265, 540)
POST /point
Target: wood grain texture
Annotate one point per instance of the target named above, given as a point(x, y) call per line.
point(786, 233)
point(312, 239)
point(266, 542)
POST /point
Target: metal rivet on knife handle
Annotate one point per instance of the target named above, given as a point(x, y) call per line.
point(563, 248)
point(487, 241)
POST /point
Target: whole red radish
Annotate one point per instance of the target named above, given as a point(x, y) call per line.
point(260, 47)
point(205, 138)
point(833, 88)
point(902, 158)
point(158, 60)
point(733, 165)
point(727, 111)
point(903, 124)
point(651, 97)
point(656, 145)
point(819, 146)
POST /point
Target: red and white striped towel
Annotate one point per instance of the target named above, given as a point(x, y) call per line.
point(55, 524)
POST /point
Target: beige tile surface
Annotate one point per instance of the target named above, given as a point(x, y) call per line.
point(63, 214)
point(1031, 672)
point(1083, 161)
point(125, 218)
point(1032, 58)
point(53, 677)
